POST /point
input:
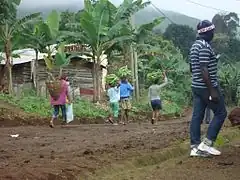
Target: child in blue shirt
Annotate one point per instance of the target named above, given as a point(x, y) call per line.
point(126, 90)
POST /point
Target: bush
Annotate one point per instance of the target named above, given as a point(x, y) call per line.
point(173, 102)
point(31, 103)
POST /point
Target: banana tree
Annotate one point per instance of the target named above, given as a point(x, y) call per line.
point(40, 37)
point(100, 32)
point(126, 11)
point(130, 48)
point(229, 78)
point(10, 27)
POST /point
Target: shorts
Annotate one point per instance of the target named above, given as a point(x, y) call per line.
point(114, 109)
point(156, 104)
point(56, 111)
point(126, 104)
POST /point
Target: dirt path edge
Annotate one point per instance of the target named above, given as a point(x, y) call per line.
point(177, 149)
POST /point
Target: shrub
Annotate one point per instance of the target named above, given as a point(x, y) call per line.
point(31, 103)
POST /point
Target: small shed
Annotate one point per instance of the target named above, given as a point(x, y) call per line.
point(79, 72)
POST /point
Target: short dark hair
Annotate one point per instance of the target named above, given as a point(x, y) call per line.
point(156, 81)
point(123, 77)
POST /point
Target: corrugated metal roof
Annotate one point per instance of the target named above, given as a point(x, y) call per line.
point(27, 55)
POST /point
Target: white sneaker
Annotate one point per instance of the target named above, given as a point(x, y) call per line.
point(211, 150)
point(195, 152)
point(115, 124)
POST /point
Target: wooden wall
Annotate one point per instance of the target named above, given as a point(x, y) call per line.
point(78, 71)
point(21, 73)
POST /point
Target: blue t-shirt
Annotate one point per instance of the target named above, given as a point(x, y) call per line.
point(125, 90)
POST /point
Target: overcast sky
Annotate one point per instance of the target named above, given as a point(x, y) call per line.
point(182, 6)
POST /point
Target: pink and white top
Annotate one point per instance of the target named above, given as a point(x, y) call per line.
point(63, 95)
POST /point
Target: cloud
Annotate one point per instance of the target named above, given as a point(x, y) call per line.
point(34, 3)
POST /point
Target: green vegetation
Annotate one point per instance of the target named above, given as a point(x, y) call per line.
point(30, 103)
point(182, 37)
point(142, 164)
point(107, 29)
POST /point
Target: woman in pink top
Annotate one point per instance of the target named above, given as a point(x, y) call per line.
point(60, 103)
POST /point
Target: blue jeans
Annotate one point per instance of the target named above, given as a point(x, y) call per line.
point(200, 102)
point(56, 111)
point(207, 115)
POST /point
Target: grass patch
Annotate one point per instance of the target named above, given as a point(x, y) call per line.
point(31, 103)
point(170, 107)
point(137, 167)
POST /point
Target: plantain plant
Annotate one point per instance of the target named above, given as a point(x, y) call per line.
point(11, 28)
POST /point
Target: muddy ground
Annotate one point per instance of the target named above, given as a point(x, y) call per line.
point(44, 153)
point(104, 152)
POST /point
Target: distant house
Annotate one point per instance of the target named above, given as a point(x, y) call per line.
point(79, 72)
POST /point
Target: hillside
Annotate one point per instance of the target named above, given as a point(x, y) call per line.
point(149, 13)
point(144, 16)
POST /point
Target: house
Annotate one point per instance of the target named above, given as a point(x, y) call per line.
point(26, 75)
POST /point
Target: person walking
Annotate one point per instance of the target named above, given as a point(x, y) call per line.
point(126, 90)
point(60, 103)
point(206, 92)
point(154, 97)
point(114, 97)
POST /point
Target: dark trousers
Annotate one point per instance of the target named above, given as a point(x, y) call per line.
point(207, 118)
point(200, 102)
point(56, 111)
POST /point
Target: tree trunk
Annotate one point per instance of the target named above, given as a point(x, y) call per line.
point(126, 55)
point(35, 74)
point(7, 49)
point(60, 72)
point(10, 84)
point(136, 75)
point(132, 65)
point(99, 78)
point(94, 75)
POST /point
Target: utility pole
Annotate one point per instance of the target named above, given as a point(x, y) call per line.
point(134, 63)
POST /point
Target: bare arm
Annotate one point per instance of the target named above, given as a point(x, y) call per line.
point(69, 94)
point(149, 92)
point(204, 58)
point(165, 82)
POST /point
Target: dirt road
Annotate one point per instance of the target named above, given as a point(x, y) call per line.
point(63, 153)
point(86, 152)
